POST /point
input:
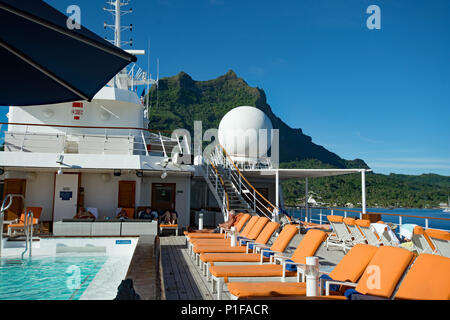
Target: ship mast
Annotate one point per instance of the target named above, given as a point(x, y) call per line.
point(136, 76)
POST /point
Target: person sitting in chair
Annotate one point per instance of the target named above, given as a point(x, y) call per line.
point(173, 217)
point(122, 214)
point(148, 213)
point(166, 217)
point(83, 214)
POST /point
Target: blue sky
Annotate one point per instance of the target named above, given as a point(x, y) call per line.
point(380, 95)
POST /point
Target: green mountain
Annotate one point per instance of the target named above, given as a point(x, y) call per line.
point(180, 100)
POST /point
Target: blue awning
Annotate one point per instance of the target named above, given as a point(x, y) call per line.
point(42, 61)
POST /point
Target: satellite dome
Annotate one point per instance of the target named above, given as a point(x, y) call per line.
point(245, 133)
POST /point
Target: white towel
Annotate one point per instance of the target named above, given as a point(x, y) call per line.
point(92, 210)
point(406, 230)
point(380, 228)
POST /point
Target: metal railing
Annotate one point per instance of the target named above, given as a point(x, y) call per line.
point(247, 191)
point(211, 169)
point(28, 230)
point(87, 140)
point(319, 215)
point(6, 204)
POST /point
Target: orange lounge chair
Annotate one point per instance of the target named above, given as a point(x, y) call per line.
point(421, 241)
point(200, 235)
point(357, 236)
point(266, 252)
point(248, 227)
point(350, 268)
point(440, 240)
point(170, 227)
point(238, 217)
point(370, 235)
point(383, 273)
point(307, 247)
point(428, 279)
point(341, 236)
point(262, 235)
point(244, 233)
point(250, 233)
point(19, 224)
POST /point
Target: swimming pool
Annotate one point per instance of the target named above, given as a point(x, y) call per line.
point(48, 278)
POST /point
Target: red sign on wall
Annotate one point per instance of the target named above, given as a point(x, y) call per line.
point(77, 110)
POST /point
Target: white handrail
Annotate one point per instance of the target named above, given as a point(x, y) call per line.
point(5, 206)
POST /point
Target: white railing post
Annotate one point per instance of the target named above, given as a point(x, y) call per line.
point(345, 214)
point(426, 223)
point(320, 218)
point(23, 140)
point(254, 200)
point(332, 212)
point(399, 223)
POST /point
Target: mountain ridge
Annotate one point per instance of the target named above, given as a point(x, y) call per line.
point(180, 100)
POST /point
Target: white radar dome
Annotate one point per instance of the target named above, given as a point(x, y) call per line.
point(245, 133)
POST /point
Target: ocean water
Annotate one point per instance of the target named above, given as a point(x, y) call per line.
point(432, 223)
point(47, 278)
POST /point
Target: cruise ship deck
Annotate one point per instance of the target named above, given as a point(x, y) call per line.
point(183, 280)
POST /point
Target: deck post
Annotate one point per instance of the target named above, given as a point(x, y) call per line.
point(363, 190)
point(306, 199)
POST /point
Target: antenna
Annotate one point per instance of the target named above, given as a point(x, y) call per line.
point(115, 8)
point(157, 82)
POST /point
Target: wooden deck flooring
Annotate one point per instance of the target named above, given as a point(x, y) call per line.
point(182, 279)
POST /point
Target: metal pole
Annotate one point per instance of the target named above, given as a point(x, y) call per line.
point(306, 197)
point(363, 190)
point(277, 189)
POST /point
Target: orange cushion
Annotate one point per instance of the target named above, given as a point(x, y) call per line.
point(257, 228)
point(264, 270)
point(362, 223)
point(231, 257)
point(428, 279)
point(266, 289)
point(353, 264)
point(211, 241)
point(349, 221)
point(309, 245)
point(219, 248)
point(168, 225)
point(384, 271)
point(249, 226)
point(333, 218)
point(240, 221)
point(438, 234)
point(36, 213)
point(267, 232)
point(200, 235)
point(284, 238)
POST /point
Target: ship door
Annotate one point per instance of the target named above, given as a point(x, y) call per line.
point(127, 194)
point(66, 196)
point(14, 186)
point(163, 196)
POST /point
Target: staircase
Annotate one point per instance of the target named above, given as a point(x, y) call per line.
point(230, 188)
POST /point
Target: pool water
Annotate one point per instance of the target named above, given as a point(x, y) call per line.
point(47, 278)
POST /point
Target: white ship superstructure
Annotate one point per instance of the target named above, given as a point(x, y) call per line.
point(96, 154)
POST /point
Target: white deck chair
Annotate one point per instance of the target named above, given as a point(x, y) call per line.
point(386, 235)
point(369, 234)
point(421, 241)
point(441, 241)
point(357, 236)
point(340, 237)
